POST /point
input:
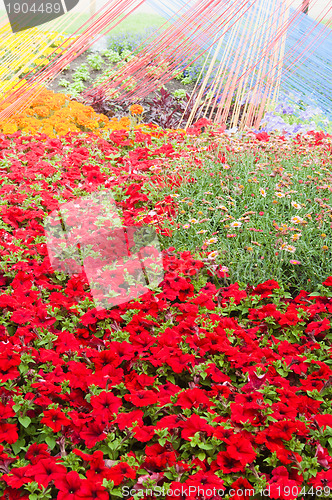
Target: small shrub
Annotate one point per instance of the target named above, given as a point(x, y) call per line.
point(95, 61)
point(167, 111)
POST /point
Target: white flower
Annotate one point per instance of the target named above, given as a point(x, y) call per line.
point(296, 236)
point(211, 241)
point(290, 248)
point(297, 220)
point(295, 205)
point(263, 192)
point(236, 224)
point(213, 255)
point(279, 194)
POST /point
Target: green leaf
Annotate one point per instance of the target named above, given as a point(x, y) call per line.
point(117, 493)
point(18, 445)
point(25, 421)
point(50, 441)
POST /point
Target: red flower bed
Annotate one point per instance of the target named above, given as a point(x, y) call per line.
point(194, 391)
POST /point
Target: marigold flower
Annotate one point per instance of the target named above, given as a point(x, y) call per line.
point(136, 109)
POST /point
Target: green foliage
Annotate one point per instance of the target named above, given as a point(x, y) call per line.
point(265, 221)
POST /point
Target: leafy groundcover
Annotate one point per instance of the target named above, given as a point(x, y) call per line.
point(198, 389)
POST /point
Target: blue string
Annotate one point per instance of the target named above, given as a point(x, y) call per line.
point(311, 77)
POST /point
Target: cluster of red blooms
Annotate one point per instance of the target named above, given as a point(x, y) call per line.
point(190, 386)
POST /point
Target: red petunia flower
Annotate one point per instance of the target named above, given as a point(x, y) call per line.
point(124, 420)
point(93, 433)
point(241, 449)
point(228, 464)
point(284, 429)
point(243, 490)
point(194, 424)
point(281, 487)
point(323, 480)
point(316, 327)
point(265, 289)
point(142, 398)
point(69, 486)
point(8, 433)
point(193, 398)
point(120, 472)
point(45, 471)
point(324, 420)
point(328, 281)
point(105, 404)
point(37, 452)
point(55, 419)
point(17, 477)
point(144, 433)
point(91, 490)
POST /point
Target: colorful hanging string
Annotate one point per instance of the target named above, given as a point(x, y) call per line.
point(247, 41)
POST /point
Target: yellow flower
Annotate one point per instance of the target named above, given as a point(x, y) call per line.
point(325, 247)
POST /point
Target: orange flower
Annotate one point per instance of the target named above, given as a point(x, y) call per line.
point(136, 109)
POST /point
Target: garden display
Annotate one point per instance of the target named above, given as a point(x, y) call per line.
point(165, 283)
